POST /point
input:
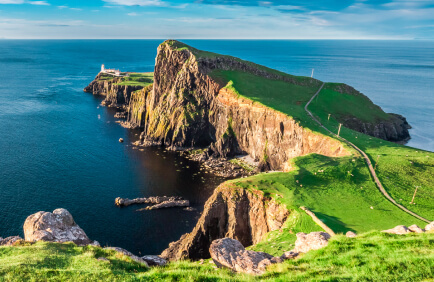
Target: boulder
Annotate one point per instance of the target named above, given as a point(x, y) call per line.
point(429, 227)
point(350, 234)
point(400, 230)
point(127, 253)
point(312, 241)
point(58, 226)
point(121, 140)
point(230, 253)
point(416, 229)
point(289, 255)
point(154, 260)
point(10, 241)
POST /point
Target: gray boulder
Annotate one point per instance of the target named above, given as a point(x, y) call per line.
point(127, 253)
point(416, 229)
point(350, 234)
point(230, 253)
point(10, 241)
point(312, 241)
point(429, 226)
point(154, 260)
point(400, 230)
point(58, 226)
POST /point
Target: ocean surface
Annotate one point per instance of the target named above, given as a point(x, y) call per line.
point(59, 148)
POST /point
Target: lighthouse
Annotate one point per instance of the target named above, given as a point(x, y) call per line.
point(102, 68)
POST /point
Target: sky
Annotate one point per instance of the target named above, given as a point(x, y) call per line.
point(218, 19)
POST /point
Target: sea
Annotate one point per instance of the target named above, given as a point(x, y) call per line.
point(59, 148)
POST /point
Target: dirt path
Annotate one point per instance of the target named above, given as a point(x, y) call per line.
point(367, 160)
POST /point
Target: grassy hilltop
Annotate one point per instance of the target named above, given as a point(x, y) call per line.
point(340, 191)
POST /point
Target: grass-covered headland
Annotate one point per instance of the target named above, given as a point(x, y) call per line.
point(340, 191)
point(373, 257)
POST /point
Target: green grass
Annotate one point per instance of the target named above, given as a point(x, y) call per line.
point(338, 190)
point(137, 79)
point(399, 168)
point(369, 257)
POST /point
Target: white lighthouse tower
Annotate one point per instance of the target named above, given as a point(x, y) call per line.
point(102, 68)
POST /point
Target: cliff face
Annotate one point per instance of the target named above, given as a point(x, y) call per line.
point(394, 128)
point(230, 212)
point(187, 108)
point(116, 95)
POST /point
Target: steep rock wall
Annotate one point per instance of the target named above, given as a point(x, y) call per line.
point(116, 95)
point(187, 108)
point(230, 212)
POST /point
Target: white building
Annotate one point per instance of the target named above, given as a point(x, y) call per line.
point(110, 71)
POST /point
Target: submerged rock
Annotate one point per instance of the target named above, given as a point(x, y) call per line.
point(230, 253)
point(120, 202)
point(312, 241)
point(58, 226)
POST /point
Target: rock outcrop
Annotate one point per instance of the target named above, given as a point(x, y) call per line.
point(429, 226)
point(120, 202)
point(230, 253)
point(58, 226)
point(154, 260)
point(400, 229)
point(394, 128)
point(187, 108)
point(127, 253)
point(116, 95)
point(312, 241)
point(10, 241)
point(230, 212)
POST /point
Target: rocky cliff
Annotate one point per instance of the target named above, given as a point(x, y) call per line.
point(230, 212)
point(116, 95)
point(188, 108)
point(392, 128)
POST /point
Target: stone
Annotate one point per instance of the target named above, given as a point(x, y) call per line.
point(289, 255)
point(154, 260)
point(58, 226)
point(350, 234)
point(95, 244)
point(230, 253)
point(429, 227)
point(400, 230)
point(312, 241)
point(10, 241)
point(127, 253)
point(416, 229)
point(103, 259)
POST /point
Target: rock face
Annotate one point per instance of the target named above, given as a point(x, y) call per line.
point(187, 108)
point(393, 129)
point(116, 95)
point(312, 241)
point(231, 254)
point(58, 226)
point(10, 241)
point(230, 212)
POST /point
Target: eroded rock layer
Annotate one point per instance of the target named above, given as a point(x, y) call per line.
point(230, 212)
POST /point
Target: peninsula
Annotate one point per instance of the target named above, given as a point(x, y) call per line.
point(308, 162)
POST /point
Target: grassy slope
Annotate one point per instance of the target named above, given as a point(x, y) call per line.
point(134, 79)
point(373, 256)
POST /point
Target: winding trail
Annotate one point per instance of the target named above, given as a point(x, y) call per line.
point(368, 162)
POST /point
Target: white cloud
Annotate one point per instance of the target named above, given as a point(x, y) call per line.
point(134, 2)
point(39, 3)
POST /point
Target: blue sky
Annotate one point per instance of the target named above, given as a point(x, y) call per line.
point(243, 19)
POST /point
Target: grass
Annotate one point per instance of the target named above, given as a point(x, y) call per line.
point(137, 79)
point(372, 256)
point(338, 190)
point(399, 168)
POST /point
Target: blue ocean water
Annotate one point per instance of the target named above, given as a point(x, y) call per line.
point(58, 148)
